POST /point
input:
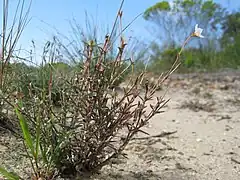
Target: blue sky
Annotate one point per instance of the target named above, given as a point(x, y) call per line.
point(49, 15)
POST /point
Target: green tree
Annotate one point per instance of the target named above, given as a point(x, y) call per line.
point(174, 21)
point(230, 41)
point(231, 28)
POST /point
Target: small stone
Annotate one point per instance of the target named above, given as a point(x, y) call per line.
point(181, 153)
point(92, 122)
point(166, 168)
point(224, 87)
point(149, 171)
point(199, 140)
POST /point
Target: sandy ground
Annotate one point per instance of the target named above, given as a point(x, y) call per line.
point(204, 116)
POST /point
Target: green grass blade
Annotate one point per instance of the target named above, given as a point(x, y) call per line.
point(37, 137)
point(25, 131)
point(9, 175)
point(43, 153)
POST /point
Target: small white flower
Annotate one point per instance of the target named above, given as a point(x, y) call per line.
point(198, 32)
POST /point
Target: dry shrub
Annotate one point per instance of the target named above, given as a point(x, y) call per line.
point(93, 123)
